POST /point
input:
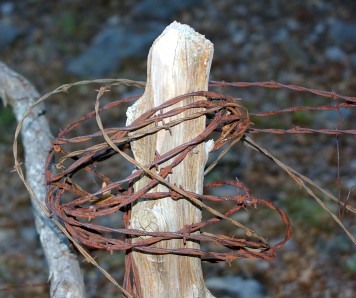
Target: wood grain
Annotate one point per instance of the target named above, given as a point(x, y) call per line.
point(179, 62)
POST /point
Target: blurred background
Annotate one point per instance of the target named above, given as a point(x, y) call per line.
point(307, 43)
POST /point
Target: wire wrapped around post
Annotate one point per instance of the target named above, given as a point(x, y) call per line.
point(228, 122)
point(226, 117)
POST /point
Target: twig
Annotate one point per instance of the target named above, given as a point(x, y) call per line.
point(64, 271)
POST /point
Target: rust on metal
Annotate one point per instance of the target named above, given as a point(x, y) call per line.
point(227, 122)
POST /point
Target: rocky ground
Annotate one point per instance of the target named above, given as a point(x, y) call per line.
point(308, 43)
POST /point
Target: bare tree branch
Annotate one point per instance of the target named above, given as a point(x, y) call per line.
point(64, 271)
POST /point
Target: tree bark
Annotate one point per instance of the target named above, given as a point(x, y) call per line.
point(179, 62)
point(64, 271)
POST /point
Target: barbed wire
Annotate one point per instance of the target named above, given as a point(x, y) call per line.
point(275, 85)
point(227, 123)
point(303, 130)
point(230, 118)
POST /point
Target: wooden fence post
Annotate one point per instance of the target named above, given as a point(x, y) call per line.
point(179, 62)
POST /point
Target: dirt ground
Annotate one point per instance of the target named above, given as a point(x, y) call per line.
point(307, 43)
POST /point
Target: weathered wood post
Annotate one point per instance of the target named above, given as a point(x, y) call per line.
point(178, 62)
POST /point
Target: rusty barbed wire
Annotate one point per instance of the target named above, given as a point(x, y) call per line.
point(303, 130)
point(228, 122)
point(347, 102)
point(275, 85)
point(230, 119)
point(299, 109)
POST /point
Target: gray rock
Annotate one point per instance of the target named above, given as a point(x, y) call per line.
point(5, 234)
point(353, 60)
point(111, 46)
point(343, 33)
point(7, 8)
point(162, 9)
point(234, 285)
point(28, 233)
point(330, 119)
point(335, 54)
point(293, 24)
point(239, 36)
point(280, 36)
point(294, 52)
point(8, 34)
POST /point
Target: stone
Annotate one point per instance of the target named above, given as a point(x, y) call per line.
point(8, 34)
point(235, 285)
point(162, 9)
point(343, 33)
point(335, 54)
point(353, 60)
point(113, 45)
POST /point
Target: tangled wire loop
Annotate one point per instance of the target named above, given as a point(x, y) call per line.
point(227, 120)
